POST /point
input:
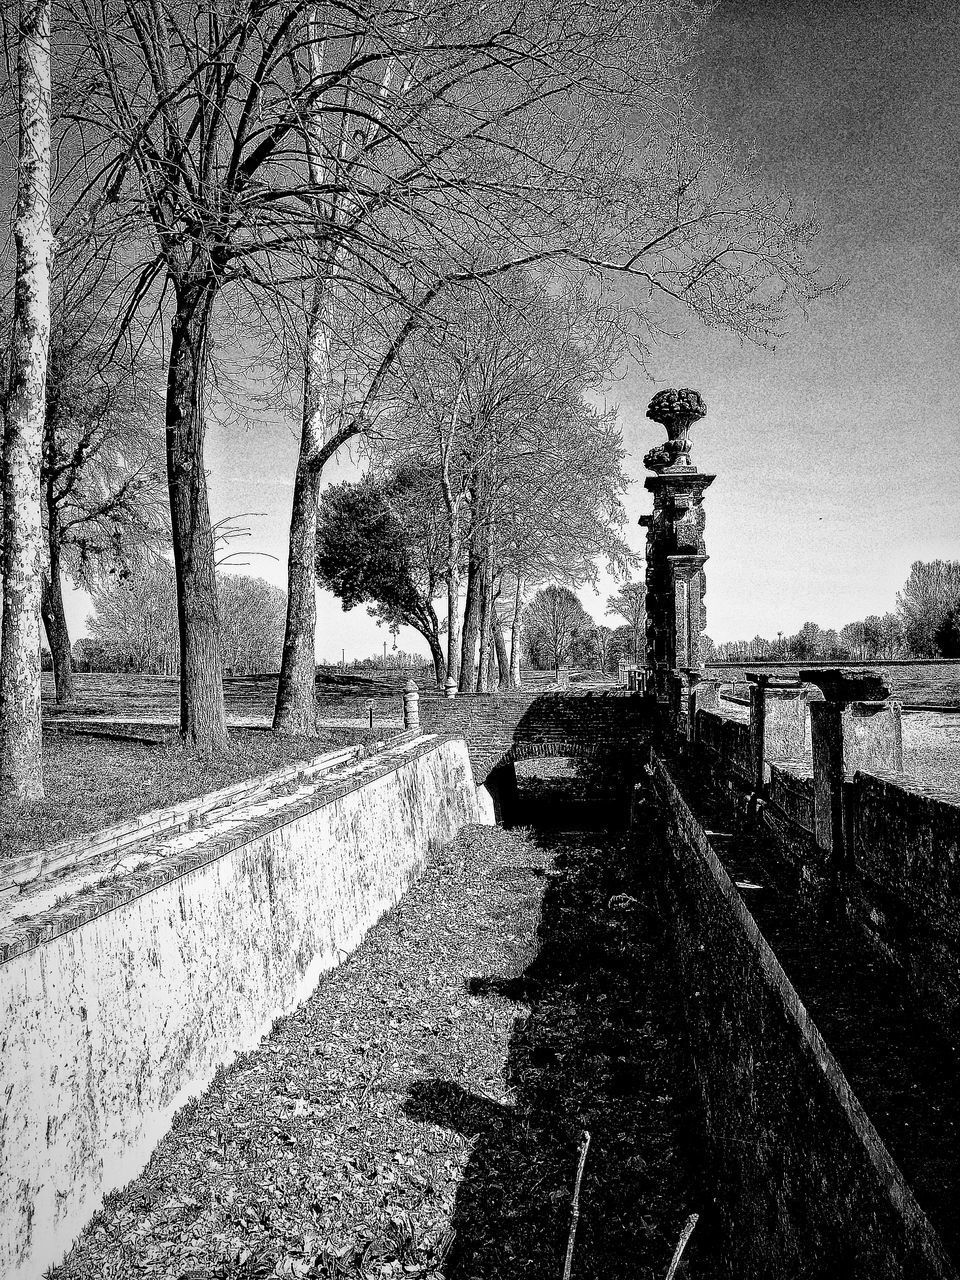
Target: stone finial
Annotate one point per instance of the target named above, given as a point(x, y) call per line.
point(677, 411)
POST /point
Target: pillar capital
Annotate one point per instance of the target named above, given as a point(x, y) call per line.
point(847, 684)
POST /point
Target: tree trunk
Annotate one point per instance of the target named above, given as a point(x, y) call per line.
point(51, 606)
point(515, 637)
point(484, 675)
point(203, 723)
point(471, 622)
point(453, 601)
point(295, 714)
point(503, 661)
point(483, 661)
point(21, 770)
point(58, 636)
point(436, 653)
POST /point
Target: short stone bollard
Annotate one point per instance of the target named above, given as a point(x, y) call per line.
point(411, 705)
point(450, 687)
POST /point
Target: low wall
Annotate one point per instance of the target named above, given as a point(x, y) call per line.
point(904, 883)
point(803, 1185)
point(728, 740)
point(109, 1026)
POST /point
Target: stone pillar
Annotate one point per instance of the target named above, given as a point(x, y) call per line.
point(853, 728)
point(450, 687)
point(411, 705)
point(778, 713)
point(676, 552)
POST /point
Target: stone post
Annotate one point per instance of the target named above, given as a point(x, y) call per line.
point(853, 728)
point(450, 687)
point(676, 552)
point(411, 705)
point(778, 711)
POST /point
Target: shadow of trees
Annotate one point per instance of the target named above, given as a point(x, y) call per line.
point(595, 1047)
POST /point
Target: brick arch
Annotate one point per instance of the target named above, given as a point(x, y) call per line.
point(570, 748)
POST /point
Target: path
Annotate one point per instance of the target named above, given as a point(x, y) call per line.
point(421, 1113)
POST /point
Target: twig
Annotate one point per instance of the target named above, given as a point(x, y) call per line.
point(685, 1235)
point(575, 1217)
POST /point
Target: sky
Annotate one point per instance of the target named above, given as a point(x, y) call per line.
point(837, 455)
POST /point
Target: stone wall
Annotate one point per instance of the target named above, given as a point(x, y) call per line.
point(802, 1184)
point(904, 883)
point(728, 740)
point(110, 1020)
point(898, 871)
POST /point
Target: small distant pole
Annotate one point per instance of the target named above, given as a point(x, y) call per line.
point(343, 659)
point(370, 712)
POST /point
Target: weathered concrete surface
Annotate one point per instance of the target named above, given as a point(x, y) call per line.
point(109, 1027)
point(803, 1184)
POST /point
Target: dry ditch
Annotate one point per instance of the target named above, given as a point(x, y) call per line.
point(421, 1115)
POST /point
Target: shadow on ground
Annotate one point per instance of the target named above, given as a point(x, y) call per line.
point(595, 1048)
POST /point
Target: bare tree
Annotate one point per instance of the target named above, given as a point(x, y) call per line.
point(135, 619)
point(21, 772)
point(924, 601)
point(630, 604)
point(492, 405)
point(252, 612)
point(102, 470)
point(374, 158)
point(537, 139)
point(555, 621)
point(602, 641)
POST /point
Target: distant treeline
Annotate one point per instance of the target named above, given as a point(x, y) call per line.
point(925, 624)
point(133, 626)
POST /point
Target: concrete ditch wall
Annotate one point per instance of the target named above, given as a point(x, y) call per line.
point(803, 1184)
point(109, 1026)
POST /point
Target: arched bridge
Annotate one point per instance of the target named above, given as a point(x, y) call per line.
point(509, 727)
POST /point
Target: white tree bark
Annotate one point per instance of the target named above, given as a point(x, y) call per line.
point(21, 775)
point(515, 682)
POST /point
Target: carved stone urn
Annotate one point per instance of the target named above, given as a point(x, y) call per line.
point(677, 411)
